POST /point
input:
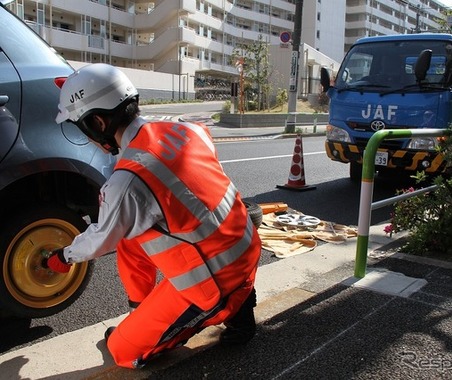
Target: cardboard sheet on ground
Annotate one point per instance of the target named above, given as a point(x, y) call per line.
point(285, 240)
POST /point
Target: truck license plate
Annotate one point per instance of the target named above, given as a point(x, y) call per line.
point(381, 158)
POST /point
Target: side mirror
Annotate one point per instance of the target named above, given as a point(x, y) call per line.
point(325, 79)
point(422, 64)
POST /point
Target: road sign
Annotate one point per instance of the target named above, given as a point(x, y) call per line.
point(285, 37)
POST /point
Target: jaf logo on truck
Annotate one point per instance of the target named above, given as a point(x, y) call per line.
point(379, 112)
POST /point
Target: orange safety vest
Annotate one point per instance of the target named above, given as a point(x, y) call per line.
point(211, 245)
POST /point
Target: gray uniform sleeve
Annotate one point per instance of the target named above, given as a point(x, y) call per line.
point(127, 209)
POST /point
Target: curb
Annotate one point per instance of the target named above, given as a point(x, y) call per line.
point(265, 137)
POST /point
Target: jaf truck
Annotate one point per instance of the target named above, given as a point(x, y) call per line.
point(392, 82)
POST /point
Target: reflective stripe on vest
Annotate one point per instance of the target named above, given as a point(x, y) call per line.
point(212, 219)
point(211, 266)
point(201, 133)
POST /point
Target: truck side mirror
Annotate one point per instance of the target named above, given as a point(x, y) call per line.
point(324, 79)
point(422, 64)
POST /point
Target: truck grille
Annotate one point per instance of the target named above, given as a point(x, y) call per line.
point(365, 127)
point(385, 144)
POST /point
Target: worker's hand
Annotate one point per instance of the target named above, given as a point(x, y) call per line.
point(57, 262)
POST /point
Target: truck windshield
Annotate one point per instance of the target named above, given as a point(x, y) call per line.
point(389, 66)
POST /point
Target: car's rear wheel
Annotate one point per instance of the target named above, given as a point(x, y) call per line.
point(27, 287)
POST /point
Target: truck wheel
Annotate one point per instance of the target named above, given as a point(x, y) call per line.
point(255, 213)
point(27, 288)
point(356, 171)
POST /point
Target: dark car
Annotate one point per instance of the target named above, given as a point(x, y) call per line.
point(50, 176)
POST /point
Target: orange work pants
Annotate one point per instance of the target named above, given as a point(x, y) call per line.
point(163, 318)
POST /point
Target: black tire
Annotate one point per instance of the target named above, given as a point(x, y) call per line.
point(255, 212)
point(27, 289)
point(356, 171)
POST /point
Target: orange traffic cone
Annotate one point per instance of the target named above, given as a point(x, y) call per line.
point(296, 179)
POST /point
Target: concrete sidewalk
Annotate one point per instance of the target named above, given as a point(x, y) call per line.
point(313, 316)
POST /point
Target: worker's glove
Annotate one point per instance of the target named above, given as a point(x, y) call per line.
point(55, 261)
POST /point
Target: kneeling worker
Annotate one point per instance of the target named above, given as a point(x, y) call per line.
point(168, 206)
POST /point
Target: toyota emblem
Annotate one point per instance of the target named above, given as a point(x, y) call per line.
point(377, 125)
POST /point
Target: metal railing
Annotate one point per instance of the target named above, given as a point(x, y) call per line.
point(367, 184)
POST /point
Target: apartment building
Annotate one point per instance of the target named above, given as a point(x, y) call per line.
point(184, 37)
point(383, 17)
point(323, 26)
point(193, 40)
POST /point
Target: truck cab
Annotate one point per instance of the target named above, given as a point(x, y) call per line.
point(381, 85)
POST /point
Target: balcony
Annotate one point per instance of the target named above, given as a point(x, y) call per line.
point(80, 7)
point(163, 13)
point(121, 50)
point(96, 42)
point(96, 10)
point(67, 39)
point(210, 21)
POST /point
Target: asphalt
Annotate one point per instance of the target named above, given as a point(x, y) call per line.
point(315, 321)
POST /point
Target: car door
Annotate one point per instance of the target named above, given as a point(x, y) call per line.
point(10, 95)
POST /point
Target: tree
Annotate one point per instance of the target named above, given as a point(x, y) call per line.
point(256, 70)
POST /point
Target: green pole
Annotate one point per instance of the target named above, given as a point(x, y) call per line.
point(367, 184)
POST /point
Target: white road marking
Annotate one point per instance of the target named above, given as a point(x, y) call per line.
point(157, 118)
point(267, 158)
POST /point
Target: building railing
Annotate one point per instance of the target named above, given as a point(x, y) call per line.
point(367, 184)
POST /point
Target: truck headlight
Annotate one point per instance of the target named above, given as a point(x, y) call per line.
point(423, 143)
point(337, 134)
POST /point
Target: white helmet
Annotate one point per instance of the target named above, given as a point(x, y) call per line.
point(95, 87)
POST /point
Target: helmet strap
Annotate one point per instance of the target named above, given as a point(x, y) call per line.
point(108, 136)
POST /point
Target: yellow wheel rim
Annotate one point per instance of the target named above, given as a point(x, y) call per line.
point(27, 280)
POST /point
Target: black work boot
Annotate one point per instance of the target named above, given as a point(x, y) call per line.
point(108, 333)
point(240, 329)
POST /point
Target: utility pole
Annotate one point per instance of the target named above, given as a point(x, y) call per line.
point(293, 80)
point(417, 18)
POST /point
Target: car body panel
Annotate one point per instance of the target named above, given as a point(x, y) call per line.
point(50, 174)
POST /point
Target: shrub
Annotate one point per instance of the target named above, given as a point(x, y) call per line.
point(226, 107)
point(251, 105)
point(281, 97)
point(427, 217)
